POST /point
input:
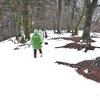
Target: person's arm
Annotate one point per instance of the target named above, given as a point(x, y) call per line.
point(42, 41)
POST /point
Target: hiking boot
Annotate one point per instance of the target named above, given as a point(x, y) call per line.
point(34, 55)
point(41, 54)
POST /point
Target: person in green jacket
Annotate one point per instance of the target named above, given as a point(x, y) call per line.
point(36, 42)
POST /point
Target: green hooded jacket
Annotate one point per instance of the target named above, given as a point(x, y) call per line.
point(36, 40)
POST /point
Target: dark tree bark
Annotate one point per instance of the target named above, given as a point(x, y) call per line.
point(80, 19)
point(90, 7)
point(59, 15)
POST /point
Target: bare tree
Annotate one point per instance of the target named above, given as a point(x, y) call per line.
point(90, 7)
point(80, 19)
point(59, 16)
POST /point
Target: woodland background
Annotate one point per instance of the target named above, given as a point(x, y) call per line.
point(20, 17)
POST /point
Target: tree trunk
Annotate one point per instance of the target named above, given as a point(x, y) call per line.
point(68, 19)
point(37, 17)
point(26, 22)
point(54, 15)
point(59, 15)
point(79, 21)
point(72, 18)
point(90, 7)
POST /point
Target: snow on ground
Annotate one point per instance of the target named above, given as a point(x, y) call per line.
point(24, 78)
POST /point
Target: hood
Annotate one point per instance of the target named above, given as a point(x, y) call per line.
point(36, 32)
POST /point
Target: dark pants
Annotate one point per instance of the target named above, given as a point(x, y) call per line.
point(35, 52)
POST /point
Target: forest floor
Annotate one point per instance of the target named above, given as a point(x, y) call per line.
point(90, 69)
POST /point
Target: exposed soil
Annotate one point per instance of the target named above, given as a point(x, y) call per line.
point(90, 69)
point(76, 44)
